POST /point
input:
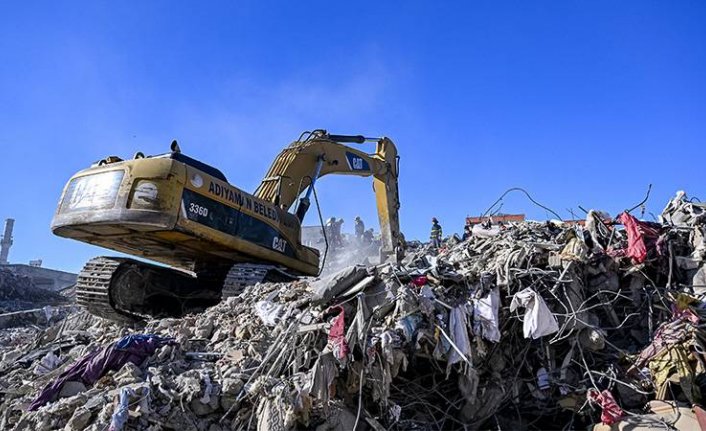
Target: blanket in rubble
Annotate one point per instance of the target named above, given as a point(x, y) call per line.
point(91, 367)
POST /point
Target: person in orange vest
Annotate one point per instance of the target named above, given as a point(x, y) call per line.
point(436, 233)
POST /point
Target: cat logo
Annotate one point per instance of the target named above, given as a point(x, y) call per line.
point(357, 163)
point(279, 244)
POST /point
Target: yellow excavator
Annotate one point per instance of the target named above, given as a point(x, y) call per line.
point(183, 213)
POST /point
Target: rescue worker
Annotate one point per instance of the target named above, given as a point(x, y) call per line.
point(368, 237)
point(330, 230)
point(337, 237)
point(359, 229)
point(467, 232)
point(436, 233)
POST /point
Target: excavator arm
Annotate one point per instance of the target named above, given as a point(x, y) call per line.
point(318, 153)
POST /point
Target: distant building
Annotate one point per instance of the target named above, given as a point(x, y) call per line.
point(45, 278)
point(495, 219)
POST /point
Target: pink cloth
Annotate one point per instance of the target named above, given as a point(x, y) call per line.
point(337, 335)
point(611, 410)
point(420, 281)
point(640, 235)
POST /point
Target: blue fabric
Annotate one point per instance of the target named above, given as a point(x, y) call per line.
point(133, 340)
point(119, 419)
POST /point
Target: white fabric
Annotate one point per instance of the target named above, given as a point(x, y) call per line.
point(539, 320)
point(268, 312)
point(485, 315)
point(459, 335)
point(48, 363)
point(48, 312)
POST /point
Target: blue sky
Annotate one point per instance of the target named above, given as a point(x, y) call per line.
point(581, 103)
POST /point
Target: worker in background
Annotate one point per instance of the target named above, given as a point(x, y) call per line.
point(467, 232)
point(359, 229)
point(330, 230)
point(368, 237)
point(436, 233)
point(337, 237)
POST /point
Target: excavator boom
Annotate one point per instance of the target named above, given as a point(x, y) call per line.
point(298, 166)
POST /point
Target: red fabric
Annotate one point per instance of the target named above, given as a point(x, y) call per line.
point(611, 410)
point(640, 235)
point(420, 281)
point(337, 335)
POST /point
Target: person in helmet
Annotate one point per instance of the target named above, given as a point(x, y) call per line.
point(467, 232)
point(359, 229)
point(368, 236)
point(337, 235)
point(436, 233)
point(330, 230)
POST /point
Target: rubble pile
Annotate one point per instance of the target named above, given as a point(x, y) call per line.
point(17, 293)
point(529, 326)
point(22, 303)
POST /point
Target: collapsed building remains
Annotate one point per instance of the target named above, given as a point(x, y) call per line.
point(528, 326)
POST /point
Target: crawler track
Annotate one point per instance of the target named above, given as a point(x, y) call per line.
point(93, 289)
point(128, 290)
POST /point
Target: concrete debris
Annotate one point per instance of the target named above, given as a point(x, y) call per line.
point(37, 316)
point(527, 325)
point(18, 293)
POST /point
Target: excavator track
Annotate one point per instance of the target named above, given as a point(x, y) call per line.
point(93, 290)
point(127, 290)
point(243, 275)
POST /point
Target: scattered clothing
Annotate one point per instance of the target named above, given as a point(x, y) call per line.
point(485, 315)
point(458, 328)
point(93, 366)
point(539, 320)
point(337, 335)
point(641, 237)
point(611, 410)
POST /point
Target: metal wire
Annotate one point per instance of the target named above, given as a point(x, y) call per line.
point(520, 189)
